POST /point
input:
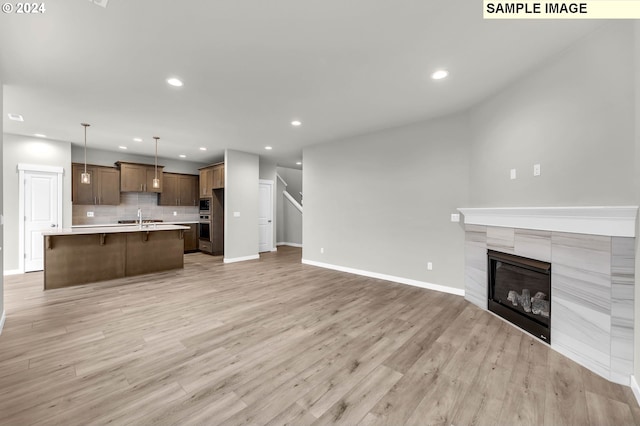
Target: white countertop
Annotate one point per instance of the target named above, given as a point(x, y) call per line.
point(102, 225)
point(114, 229)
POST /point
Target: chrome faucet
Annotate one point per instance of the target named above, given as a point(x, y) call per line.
point(140, 217)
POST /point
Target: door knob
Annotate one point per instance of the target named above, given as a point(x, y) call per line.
point(269, 221)
point(53, 225)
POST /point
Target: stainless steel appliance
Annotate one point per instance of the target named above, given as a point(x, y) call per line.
point(205, 206)
point(205, 236)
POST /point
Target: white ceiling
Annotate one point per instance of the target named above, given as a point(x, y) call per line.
point(251, 66)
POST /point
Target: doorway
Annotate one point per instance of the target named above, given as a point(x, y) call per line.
point(40, 208)
point(265, 216)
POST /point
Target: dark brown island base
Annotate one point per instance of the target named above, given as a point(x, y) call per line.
point(87, 255)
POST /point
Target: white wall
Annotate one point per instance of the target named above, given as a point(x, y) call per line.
point(381, 202)
point(636, 55)
point(574, 116)
point(31, 150)
point(2, 244)
point(289, 218)
point(241, 196)
point(293, 177)
point(108, 158)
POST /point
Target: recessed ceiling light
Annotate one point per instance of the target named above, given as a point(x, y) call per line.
point(137, 139)
point(299, 163)
point(296, 123)
point(175, 82)
point(440, 74)
point(202, 148)
point(39, 135)
point(122, 147)
point(15, 117)
point(182, 156)
point(268, 148)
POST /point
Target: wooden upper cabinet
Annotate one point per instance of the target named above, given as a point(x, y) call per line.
point(108, 186)
point(211, 177)
point(206, 183)
point(179, 190)
point(104, 188)
point(218, 176)
point(138, 177)
point(188, 190)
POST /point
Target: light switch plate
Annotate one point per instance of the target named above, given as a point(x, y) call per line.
point(236, 214)
point(536, 169)
point(89, 214)
point(175, 213)
point(455, 217)
point(429, 266)
point(513, 173)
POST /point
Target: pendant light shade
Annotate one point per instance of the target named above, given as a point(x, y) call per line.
point(156, 181)
point(85, 177)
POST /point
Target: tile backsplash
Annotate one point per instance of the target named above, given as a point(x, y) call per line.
point(130, 202)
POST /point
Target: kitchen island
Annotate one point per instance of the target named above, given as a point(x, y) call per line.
point(86, 255)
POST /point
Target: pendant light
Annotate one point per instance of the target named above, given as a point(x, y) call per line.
point(156, 181)
point(85, 177)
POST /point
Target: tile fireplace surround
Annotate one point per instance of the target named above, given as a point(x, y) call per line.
point(592, 256)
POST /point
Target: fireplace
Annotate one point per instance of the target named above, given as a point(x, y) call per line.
point(519, 290)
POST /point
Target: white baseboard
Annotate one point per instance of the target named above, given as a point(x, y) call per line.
point(289, 244)
point(415, 283)
point(13, 272)
point(241, 259)
point(635, 388)
point(2, 319)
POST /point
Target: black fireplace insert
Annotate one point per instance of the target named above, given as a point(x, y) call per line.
point(520, 292)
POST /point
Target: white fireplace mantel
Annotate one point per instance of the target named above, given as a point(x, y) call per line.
point(615, 221)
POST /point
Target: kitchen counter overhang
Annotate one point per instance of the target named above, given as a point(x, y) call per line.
point(86, 255)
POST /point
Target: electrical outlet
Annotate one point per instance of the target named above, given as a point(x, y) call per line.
point(455, 217)
point(429, 266)
point(89, 214)
point(321, 250)
point(175, 213)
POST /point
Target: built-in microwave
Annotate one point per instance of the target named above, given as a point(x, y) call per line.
point(205, 205)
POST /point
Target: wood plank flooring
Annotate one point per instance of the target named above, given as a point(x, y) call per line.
point(276, 342)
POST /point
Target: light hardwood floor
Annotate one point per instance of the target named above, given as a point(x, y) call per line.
point(276, 342)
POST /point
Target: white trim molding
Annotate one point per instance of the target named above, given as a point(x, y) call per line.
point(12, 272)
point(281, 180)
point(292, 201)
point(614, 221)
point(635, 388)
point(241, 259)
point(289, 244)
point(39, 168)
point(408, 281)
point(2, 320)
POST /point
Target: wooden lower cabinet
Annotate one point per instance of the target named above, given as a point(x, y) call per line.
point(190, 237)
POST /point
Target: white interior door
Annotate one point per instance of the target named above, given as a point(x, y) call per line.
point(265, 216)
point(40, 213)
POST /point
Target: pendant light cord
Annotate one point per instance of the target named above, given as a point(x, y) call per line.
point(85, 146)
point(156, 138)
